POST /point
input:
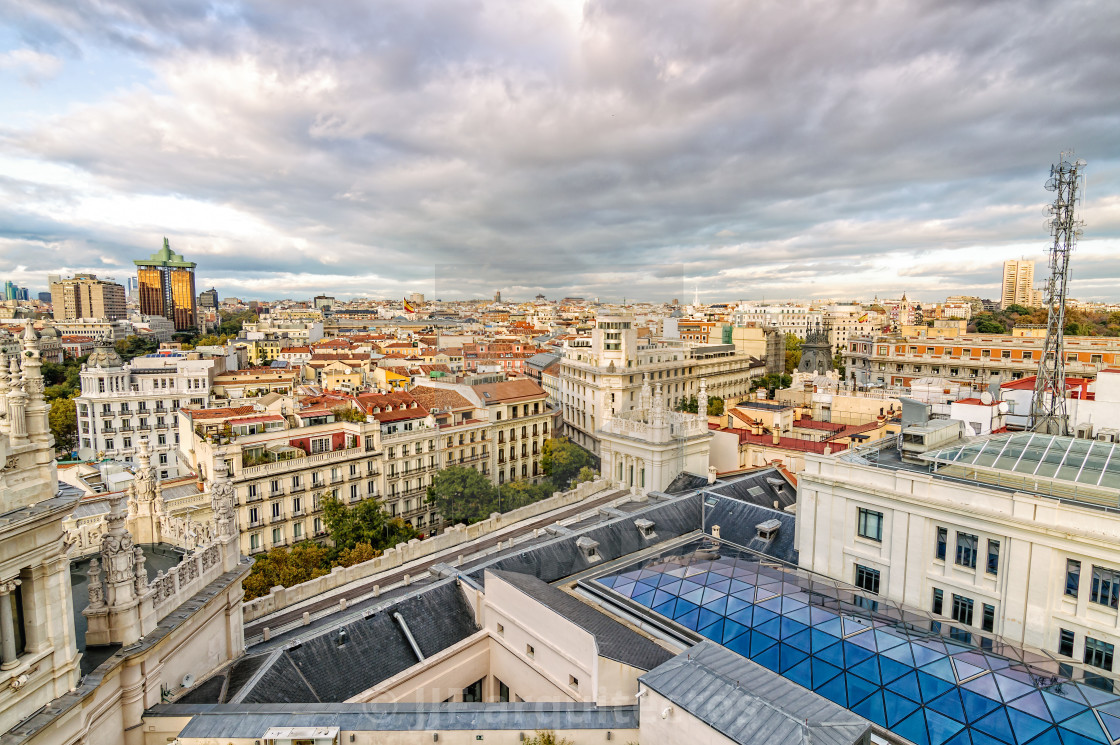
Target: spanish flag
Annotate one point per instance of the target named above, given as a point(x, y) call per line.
point(862, 318)
point(408, 308)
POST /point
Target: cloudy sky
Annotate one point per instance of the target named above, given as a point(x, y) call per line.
point(757, 149)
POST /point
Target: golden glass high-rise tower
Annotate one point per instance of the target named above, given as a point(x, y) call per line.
point(166, 283)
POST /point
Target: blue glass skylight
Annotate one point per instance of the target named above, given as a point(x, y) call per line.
point(927, 681)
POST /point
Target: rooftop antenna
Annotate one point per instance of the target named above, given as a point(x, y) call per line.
point(1048, 407)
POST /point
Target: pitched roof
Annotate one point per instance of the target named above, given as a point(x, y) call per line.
point(509, 391)
point(443, 399)
point(615, 641)
point(229, 411)
point(749, 703)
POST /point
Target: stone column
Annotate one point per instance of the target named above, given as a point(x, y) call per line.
point(7, 625)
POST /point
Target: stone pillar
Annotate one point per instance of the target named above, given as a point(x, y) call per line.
point(7, 625)
point(4, 389)
point(702, 399)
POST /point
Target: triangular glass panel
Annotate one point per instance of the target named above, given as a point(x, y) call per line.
point(822, 671)
point(892, 670)
point(731, 629)
point(645, 598)
point(872, 708)
point(714, 631)
point(707, 618)
point(923, 655)
point(822, 640)
point(1024, 725)
point(913, 728)
point(790, 656)
point(688, 620)
point(1032, 704)
point(907, 686)
point(791, 627)
point(1011, 689)
point(683, 608)
point(832, 654)
point(1049, 737)
point(1062, 707)
point(666, 608)
point(723, 585)
point(943, 669)
point(1069, 737)
point(801, 673)
point(900, 653)
point(719, 605)
point(976, 706)
point(868, 670)
point(985, 685)
point(734, 605)
point(858, 688)
point(834, 690)
point(740, 645)
point(961, 738)
point(1086, 724)
point(941, 728)
point(898, 708)
point(802, 641)
point(761, 642)
point(854, 654)
point(1111, 723)
point(949, 705)
point(932, 686)
point(996, 725)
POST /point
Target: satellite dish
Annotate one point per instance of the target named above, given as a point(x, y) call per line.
point(986, 398)
point(188, 680)
point(1003, 407)
point(86, 453)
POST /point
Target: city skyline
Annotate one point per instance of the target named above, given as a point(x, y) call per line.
point(597, 149)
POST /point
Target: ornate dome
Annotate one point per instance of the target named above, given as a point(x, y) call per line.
point(104, 356)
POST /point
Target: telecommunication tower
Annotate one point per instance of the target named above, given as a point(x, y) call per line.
point(1048, 407)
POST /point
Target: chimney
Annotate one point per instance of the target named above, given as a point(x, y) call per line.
point(777, 436)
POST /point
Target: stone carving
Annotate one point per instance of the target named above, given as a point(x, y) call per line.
point(140, 574)
point(96, 590)
point(222, 502)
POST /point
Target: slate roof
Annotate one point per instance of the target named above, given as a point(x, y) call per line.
point(756, 487)
point(331, 666)
point(750, 704)
point(686, 482)
point(614, 640)
point(222, 722)
point(738, 521)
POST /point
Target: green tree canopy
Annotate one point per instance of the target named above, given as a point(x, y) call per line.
point(135, 346)
point(462, 495)
point(562, 459)
point(793, 352)
point(365, 522)
point(280, 566)
point(63, 419)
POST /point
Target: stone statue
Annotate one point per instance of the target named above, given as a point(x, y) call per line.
point(221, 502)
point(140, 574)
point(96, 591)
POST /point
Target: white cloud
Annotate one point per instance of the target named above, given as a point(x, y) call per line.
point(32, 66)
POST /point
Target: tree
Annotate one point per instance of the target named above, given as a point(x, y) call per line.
point(360, 552)
point(838, 363)
point(365, 522)
point(135, 346)
point(232, 321)
point(793, 352)
point(305, 561)
point(547, 737)
point(63, 420)
point(562, 459)
point(463, 494)
point(715, 406)
point(520, 493)
point(586, 474)
point(987, 323)
point(688, 405)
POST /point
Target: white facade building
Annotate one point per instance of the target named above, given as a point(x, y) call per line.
point(122, 403)
point(989, 540)
point(602, 376)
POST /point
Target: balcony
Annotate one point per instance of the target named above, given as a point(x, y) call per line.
point(273, 493)
point(337, 478)
point(307, 461)
point(255, 524)
point(277, 519)
point(298, 488)
point(253, 498)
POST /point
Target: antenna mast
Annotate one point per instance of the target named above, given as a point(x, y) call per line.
point(1048, 408)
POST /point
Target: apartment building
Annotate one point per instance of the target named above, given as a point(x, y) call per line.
point(789, 319)
point(519, 418)
point(1008, 535)
point(971, 359)
point(602, 375)
point(122, 403)
point(1017, 287)
point(86, 296)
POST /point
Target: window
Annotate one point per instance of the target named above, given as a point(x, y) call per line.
point(1073, 577)
point(529, 651)
point(573, 682)
point(962, 610)
point(501, 630)
point(1105, 589)
point(254, 516)
point(318, 525)
point(870, 524)
point(993, 557)
point(1098, 653)
point(942, 541)
point(276, 537)
point(275, 510)
point(297, 531)
point(938, 601)
point(867, 579)
point(503, 692)
point(254, 541)
point(297, 505)
point(252, 491)
point(988, 621)
point(473, 692)
point(966, 550)
point(1065, 642)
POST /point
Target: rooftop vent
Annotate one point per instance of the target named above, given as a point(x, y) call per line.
point(589, 547)
point(645, 527)
point(769, 529)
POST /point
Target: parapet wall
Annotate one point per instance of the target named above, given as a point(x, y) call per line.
point(282, 597)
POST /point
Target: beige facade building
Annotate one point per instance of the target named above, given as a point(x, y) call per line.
point(1018, 284)
point(603, 375)
point(86, 296)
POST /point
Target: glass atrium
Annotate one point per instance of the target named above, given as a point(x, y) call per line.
point(1049, 464)
point(925, 680)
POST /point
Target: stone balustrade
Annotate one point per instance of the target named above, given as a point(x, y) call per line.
point(457, 535)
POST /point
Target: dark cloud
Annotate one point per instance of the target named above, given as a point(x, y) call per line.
point(777, 148)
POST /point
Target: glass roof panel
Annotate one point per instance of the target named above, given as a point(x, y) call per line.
point(924, 679)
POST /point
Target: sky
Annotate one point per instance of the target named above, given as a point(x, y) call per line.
point(638, 149)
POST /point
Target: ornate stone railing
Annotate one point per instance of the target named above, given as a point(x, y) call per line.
point(197, 569)
point(307, 461)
